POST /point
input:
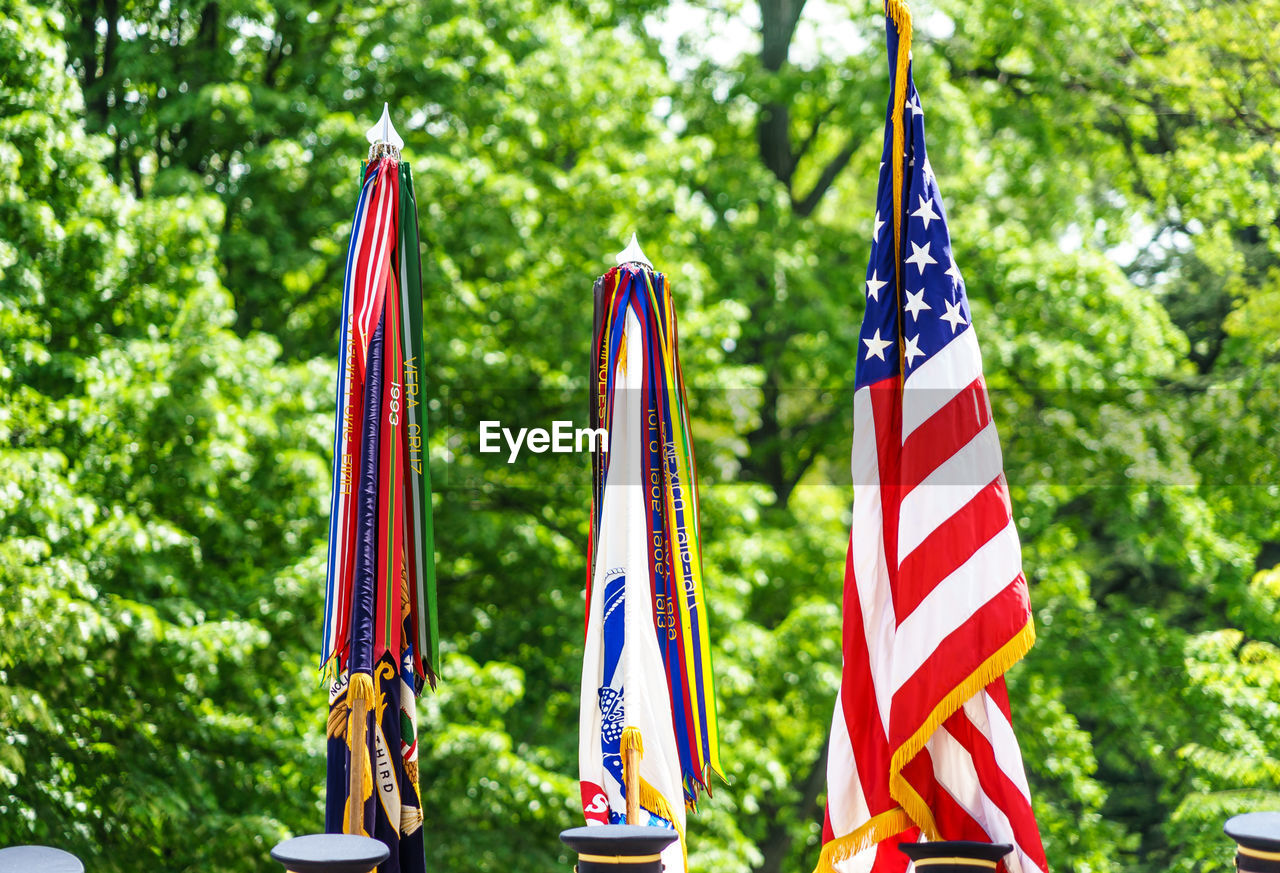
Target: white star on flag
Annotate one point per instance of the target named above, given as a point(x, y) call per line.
point(953, 317)
point(875, 234)
point(912, 351)
point(915, 303)
point(914, 106)
point(928, 172)
point(876, 346)
point(925, 213)
point(873, 287)
point(954, 272)
point(920, 256)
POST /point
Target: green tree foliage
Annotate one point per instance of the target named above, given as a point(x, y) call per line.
point(178, 179)
point(160, 500)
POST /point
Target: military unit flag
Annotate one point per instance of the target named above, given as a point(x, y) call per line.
point(646, 676)
point(935, 601)
point(380, 637)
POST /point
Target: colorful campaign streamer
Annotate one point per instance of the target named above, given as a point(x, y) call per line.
point(382, 291)
point(380, 642)
point(644, 546)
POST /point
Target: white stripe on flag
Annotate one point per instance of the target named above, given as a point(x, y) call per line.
point(846, 804)
point(990, 721)
point(955, 771)
point(377, 258)
point(864, 463)
point(859, 863)
point(937, 380)
point(948, 489)
point(955, 600)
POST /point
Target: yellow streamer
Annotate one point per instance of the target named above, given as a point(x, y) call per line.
point(702, 694)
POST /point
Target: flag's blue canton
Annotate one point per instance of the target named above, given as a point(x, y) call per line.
point(933, 308)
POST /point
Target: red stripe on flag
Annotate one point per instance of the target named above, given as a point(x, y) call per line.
point(946, 432)
point(999, 692)
point(858, 696)
point(891, 859)
point(371, 225)
point(997, 785)
point(949, 546)
point(956, 658)
point(886, 412)
point(952, 819)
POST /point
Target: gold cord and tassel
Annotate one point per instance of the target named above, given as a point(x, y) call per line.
point(360, 788)
point(632, 748)
point(640, 792)
point(619, 859)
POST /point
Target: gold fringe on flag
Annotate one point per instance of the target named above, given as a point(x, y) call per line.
point(411, 818)
point(988, 671)
point(882, 827)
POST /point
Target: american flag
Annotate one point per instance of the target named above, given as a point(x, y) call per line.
point(935, 601)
